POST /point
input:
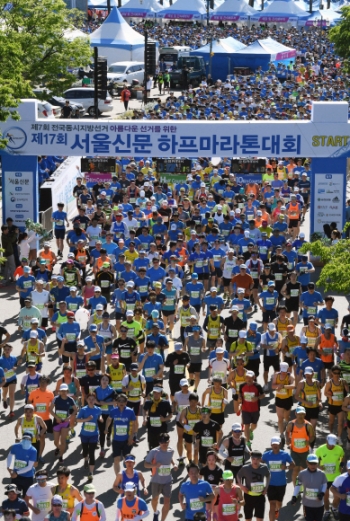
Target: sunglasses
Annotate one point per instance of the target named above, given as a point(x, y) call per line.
point(56, 505)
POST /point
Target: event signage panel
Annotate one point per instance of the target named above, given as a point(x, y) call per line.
point(326, 135)
point(328, 204)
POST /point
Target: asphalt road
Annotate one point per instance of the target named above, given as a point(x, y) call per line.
point(104, 475)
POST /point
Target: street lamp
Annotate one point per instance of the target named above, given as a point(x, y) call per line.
point(210, 38)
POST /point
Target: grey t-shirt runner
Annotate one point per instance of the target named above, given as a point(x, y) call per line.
point(194, 349)
point(253, 479)
point(313, 483)
point(162, 475)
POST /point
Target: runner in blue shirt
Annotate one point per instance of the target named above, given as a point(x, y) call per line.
point(194, 493)
point(124, 429)
point(89, 416)
point(151, 364)
point(25, 285)
point(316, 364)
point(300, 353)
point(59, 218)
point(20, 461)
point(92, 342)
point(156, 273)
point(304, 269)
point(310, 300)
point(142, 261)
point(269, 299)
point(328, 315)
point(340, 489)
point(195, 290)
point(213, 299)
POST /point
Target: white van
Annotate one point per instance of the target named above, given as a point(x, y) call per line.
point(120, 71)
point(86, 96)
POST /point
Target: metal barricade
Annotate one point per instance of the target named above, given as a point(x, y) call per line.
point(45, 220)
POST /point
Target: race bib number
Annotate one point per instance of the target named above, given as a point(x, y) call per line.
point(40, 407)
point(216, 404)
point(195, 294)
point(237, 461)
point(90, 426)
point(10, 374)
point(278, 276)
point(43, 505)
point(179, 369)
point(329, 468)
point(294, 292)
point(155, 421)
point(164, 470)
point(270, 301)
point(257, 488)
point(207, 441)
point(149, 372)
point(311, 310)
point(338, 397)
point(70, 337)
point(62, 414)
point(300, 443)
point(195, 504)
point(125, 353)
point(311, 493)
point(19, 464)
point(195, 351)
point(228, 510)
point(249, 396)
point(232, 333)
point(275, 466)
point(121, 430)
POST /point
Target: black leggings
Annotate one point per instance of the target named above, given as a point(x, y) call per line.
point(89, 450)
point(102, 428)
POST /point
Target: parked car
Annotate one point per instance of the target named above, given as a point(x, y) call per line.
point(45, 109)
point(85, 96)
point(121, 71)
point(78, 108)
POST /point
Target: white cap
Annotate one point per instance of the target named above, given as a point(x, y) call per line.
point(202, 185)
point(276, 440)
point(183, 382)
point(88, 279)
point(142, 193)
point(29, 406)
point(235, 308)
point(219, 350)
point(103, 193)
point(332, 439)
point(303, 340)
point(33, 334)
point(308, 370)
point(129, 313)
point(240, 290)
point(219, 207)
point(214, 288)
point(232, 213)
point(154, 208)
point(63, 387)
point(130, 284)
point(348, 464)
point(47, 244)
point(97, 288)
point(271, 327)
point(99, 307)
point(242, 334)
point(302, 235)
point(72, 288)
point(236, 427)
point(259, 212)
point(238, 210)
point(284, 367)
point(130, 486)
point(250, 373)
point(247, 233)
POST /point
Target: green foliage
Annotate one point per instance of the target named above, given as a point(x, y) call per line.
point(335, 274)
point(33, 50)
point(340, 35)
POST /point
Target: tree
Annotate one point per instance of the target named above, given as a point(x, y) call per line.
point(335, 274)
point(340, 35)
point(34, 51)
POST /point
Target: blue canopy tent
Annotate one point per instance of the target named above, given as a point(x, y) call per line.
point(280, 11)
point(263, 52)
point(232, 11)
point(117, 41)
point(184, 10)
point(222, 56)
point(327, 17)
